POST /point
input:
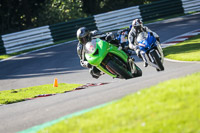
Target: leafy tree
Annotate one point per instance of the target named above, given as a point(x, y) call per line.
point(16, 15)
point(56, 11)
point(94, 7)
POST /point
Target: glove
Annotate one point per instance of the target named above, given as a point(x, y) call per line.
point(108, 38)
point(85, 64)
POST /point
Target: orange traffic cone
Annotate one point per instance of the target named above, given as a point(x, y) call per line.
point(55, 84)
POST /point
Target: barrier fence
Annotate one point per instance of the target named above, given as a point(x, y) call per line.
point(66, 30)
point(191, 5)
point(113, 20)
point(116, 19)
point(161, 9)
point(27, 39)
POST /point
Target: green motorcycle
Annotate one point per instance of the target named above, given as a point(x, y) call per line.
point(111, 60)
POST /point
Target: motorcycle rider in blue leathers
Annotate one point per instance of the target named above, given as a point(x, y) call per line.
point(138, 27)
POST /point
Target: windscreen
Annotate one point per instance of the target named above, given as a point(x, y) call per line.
point(90, 47)
point(142, 36)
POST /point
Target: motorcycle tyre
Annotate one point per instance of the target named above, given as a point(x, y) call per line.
point(157, 61)
point(119, 70)
point(138, 72)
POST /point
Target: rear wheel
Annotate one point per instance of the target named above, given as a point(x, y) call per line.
point(119, 70)
point(157, 60)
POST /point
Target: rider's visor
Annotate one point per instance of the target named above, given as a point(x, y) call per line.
point(83, 40)
point(137, 28)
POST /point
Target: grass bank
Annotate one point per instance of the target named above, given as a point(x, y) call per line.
point(17, 95)
point(169, 107)
point(188, 50)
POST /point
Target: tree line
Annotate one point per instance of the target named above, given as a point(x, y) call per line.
point(17, 15)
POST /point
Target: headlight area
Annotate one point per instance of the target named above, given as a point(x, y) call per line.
point(90, 47)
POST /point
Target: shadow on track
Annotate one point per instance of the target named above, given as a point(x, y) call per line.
point(57, 60)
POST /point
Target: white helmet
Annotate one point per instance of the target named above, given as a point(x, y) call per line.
point(137, 24)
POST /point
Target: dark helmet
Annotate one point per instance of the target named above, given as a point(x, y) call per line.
point(83, 35)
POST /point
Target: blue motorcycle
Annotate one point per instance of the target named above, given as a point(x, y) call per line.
point(151, 50)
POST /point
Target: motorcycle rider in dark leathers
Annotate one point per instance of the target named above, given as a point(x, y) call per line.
point(138, 27)
point(84, 36)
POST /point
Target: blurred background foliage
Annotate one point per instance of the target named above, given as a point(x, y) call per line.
point(17, 15)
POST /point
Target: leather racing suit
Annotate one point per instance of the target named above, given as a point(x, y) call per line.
point(83, 62)
point(133, 44)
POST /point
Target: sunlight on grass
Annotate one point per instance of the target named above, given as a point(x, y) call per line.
point(16, 95)
point(188, 50)
point(5, 56)
point(169, 107)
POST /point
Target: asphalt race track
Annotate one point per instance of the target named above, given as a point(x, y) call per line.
point(62, 62)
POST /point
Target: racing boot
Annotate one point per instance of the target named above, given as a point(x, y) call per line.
point(145, 64)
point(95, 72)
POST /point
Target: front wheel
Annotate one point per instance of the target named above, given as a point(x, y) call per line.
point(138, 72)
point(119, 70)
point(157, 61)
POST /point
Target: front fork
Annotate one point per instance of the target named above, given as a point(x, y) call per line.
point(132, 65)
point(160, 51)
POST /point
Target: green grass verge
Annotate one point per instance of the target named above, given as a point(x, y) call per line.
point(17, 95)
point(169, 107)
point(188, 50)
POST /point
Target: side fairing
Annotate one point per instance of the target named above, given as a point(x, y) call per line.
point(102, 49)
